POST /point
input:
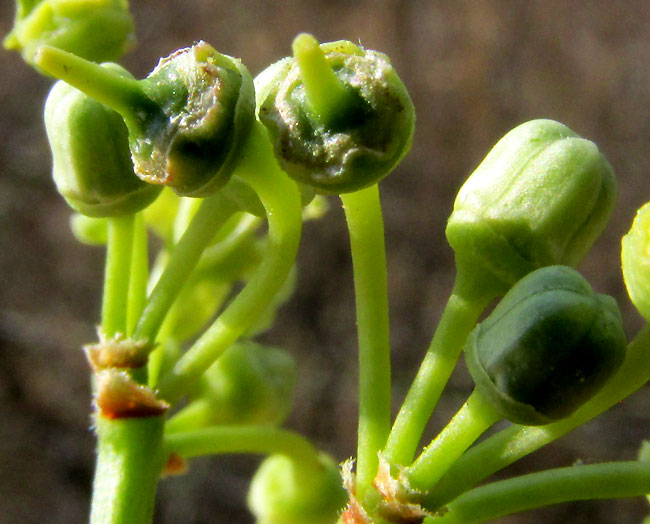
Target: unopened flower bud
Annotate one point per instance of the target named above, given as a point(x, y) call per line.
point(635, 261)
point(251, 384)
point(282, 492)
point(92, 165)
point(547, 348)
point(542, 196)
point(97, 30)
point(339, 116)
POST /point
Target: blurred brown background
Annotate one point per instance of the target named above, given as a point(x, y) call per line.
point(475, 70)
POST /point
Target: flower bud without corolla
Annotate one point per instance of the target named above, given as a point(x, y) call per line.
point(97, 30)
point(635, 261)
point(541, 197)
point(282, 492)
point(547, 348)
point(92, 165)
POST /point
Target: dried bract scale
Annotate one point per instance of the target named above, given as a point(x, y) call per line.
point(117, 352)
point(118, 396)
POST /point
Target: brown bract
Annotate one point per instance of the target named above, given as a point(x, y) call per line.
point(119, 396)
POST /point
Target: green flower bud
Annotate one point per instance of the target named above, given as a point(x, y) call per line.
point(541, 197)
point(635, 261)
point(97, 30)
point(187, 120)
point(548, 347)
point(91, 231)
point(194, 307)
point(282, 492)
point(90, 152)
point(160, 215)
point(339, 116)
point(250, 384)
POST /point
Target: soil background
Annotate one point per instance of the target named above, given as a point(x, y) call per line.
point(475, 70)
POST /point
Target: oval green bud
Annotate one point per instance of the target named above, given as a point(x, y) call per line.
point(339, 116)
point(635, 261)
point(92, 166)
point(98, 30)
point(187, 120)
point(282, 492)
point(547, 347)
point(250, 384)
point(91, 231)
point(541, 196)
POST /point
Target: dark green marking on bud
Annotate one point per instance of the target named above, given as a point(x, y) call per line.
point(635, 261)
point(284, 492)
point(97, 30)
point(339, 116)
point(92, 166)
point(541, 196)
point(251, 384)
point(187, 120)
point(548, 347)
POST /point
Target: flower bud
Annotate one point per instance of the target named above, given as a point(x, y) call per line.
point(635, 261)
point(548, 347)
point(97, 30)
point(339, 116)
point(541, 197)
point(92, 166)
point(250, 384)
point(282, 492)
point(91, 231)
point(187, 120)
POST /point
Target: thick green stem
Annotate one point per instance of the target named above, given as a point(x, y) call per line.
point(458, 319)
point(129, 461)
point(366, 227)
point(242, 439)
point(139, 274)
point(474, 418)
point(594, 481)
point(515, 442)
point(212, 214)
point(117, 275)
point(281, 199)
